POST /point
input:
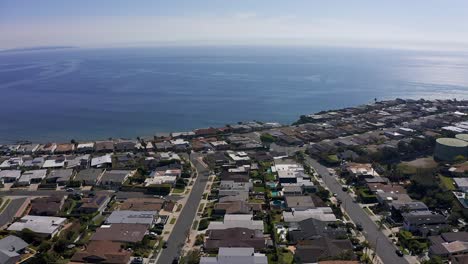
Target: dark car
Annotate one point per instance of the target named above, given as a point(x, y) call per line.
point(344, 189)
point(399, 253)
point(359, 227)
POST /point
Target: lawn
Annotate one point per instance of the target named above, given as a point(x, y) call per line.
point(173, 220)
point(270, 176)
point(259, 189)
point(178, 190)
point(200, 207)
point(446, 183)
point(195, 225)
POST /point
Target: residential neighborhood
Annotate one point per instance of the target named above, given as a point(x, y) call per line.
point(385, 182)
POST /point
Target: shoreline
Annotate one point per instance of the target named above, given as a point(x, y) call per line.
point(168, 134)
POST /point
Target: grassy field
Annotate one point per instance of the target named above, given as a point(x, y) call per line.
point(446, 183)
point(259, 189)
point(411, 167)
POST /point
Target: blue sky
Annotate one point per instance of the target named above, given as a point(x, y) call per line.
point(101, 23)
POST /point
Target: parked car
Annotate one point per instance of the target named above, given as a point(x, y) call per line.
point(399, 253)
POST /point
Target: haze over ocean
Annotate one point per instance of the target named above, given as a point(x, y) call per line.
point(58, 95)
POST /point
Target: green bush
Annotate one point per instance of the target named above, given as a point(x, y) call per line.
point(203, 224)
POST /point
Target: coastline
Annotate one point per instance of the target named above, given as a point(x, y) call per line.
point(168, 134)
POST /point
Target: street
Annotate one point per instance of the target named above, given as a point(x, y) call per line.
point(184, 222)
point(380, 243)
point(9, 212)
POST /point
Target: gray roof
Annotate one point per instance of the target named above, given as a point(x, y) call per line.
point(115, 175)
point(132, 217)
point(33, 174)
point(235, 256)
point(88, 175)
point(10, 174)
point(9, 247)
point(10, 242)
point(61, 175)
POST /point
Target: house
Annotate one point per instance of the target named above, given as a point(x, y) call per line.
point(48, 148)
point(32, 176)
point(220, 145)
point(311, 251)
point(462, 198)
point(235, 256)
point(125, 145)
point(86, 147)
point(104, 146)
point(360, 169)
point(64, 148)
point(462, 184)
point(235, 237)
point(102, 161)
point(11, 163)
point(292, 190)
point(125, 233)
point(142, 204)
point(44, 226)
point(28, 148)
point(93, 204)
point(236, 207)
point(320, 213)
point(78, 162)
point(447, 245)
point(115, 178)
point(163, 176)
point(239, 158)
point(35, 163)
point(423, 222)
point(132, 217)
point(398, 208)
point(47, 206)
point(7, 176)
point(106, 252)
point(234, 220)
point(310, 229)
point(89, 176)
point(232, 188)
point(58, 162)
point(234, 176)
point(11, 249)
point(60, 177)
point(299, 203)
point(180, 144)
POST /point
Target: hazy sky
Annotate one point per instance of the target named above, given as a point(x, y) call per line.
point(389, 23)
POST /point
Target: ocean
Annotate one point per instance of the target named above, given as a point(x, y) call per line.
point(59, 95)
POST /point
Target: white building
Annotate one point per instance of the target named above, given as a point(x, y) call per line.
point(320, 213)
point(237, 220)
point(42, 225)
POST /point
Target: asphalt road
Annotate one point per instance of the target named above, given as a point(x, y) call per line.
point(183, 225)
point(8, 214)
point(382, 245)
point(118, 194)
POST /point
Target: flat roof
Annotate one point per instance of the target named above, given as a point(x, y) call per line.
point(452, 142)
